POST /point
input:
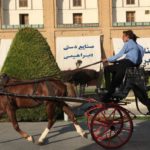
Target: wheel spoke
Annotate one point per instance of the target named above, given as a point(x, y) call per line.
point(103, 132)
point(120, 138)
point(102, 123)
point(104, 115)
point(110, 133)
point(98, 129)
point(113, 112)
point(109, 141)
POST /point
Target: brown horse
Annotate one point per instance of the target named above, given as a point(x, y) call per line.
point(41, 87)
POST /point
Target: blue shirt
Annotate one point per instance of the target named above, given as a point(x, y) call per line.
point(133, 51)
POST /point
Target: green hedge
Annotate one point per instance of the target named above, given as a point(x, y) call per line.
point(34, 114)
point(30, 56)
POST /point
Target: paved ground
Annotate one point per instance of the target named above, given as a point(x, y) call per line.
point(132, 108)
point(64, 137)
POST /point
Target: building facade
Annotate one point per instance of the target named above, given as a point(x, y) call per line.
point(135, 11)
point(76, 18)
point(75, 12)
point(21, 12)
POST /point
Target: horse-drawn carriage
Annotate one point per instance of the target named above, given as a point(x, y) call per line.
point(110, 124)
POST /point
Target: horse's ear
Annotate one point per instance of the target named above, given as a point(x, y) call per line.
point(2, 79)
point(5, 77)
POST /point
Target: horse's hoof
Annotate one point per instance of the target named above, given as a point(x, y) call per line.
point(85, 135)
point(30, 139)
point(40, 143)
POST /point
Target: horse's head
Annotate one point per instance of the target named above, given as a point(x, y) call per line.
point(3, 79)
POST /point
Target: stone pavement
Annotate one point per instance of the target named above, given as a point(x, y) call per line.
point(63, 137)
point(132, 107)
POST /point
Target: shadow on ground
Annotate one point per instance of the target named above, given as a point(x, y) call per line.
point(140, 139)
point(65, 134)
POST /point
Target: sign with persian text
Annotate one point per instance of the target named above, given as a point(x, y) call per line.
point(70, 50)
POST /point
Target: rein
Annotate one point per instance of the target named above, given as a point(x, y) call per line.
point(30, 81)
point(98, 62)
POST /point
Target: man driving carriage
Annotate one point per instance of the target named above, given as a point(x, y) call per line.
point(133, 57)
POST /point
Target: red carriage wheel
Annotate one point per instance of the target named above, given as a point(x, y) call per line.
point(111, 127)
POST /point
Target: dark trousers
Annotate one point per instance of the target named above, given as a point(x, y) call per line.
point(114, 74)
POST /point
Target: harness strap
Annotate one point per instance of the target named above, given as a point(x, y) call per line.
point(48, 87)
point(19, 82)
point(35, 88)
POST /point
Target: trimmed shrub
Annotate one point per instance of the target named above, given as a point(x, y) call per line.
point(33, 114)
point(30, 57)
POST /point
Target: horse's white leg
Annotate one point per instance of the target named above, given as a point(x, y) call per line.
point(43, 136)
point(72, 117)
point(50, 108)
point(80, 131)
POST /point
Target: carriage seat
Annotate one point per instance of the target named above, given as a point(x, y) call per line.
point(133, 75)
point(136, 75)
